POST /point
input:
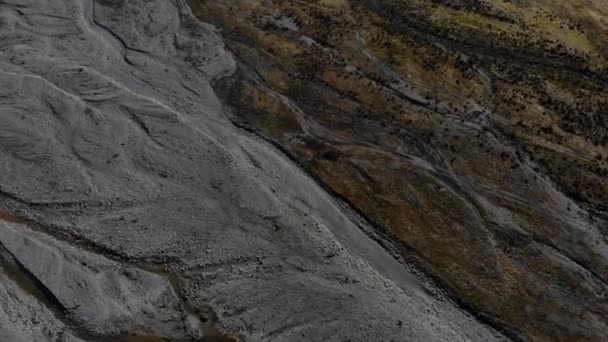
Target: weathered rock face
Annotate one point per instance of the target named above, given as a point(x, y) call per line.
point(134, 210)
point(474, 132)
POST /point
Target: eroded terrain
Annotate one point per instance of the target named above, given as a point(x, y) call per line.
point(132, 209)
point(473, 132)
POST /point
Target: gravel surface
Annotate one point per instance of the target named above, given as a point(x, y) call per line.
point(144, 211)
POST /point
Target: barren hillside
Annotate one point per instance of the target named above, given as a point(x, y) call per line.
point(321, 170)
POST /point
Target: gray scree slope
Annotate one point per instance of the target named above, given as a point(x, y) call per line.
point(145, 211)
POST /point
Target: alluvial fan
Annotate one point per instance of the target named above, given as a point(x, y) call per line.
point(475, 133)
point(256, 170)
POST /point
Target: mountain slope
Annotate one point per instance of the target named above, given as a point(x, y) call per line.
point(132, 209)
point(473, 132)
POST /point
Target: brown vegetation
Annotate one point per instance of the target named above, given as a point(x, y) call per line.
point(475, 132)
